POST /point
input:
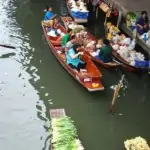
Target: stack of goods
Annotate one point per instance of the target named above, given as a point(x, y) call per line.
point(83, 39)
point(131, 20)
point(73, 25)
point(55, 32)
point(137, 143)
point(124, 46)
point(64, 135)
point(111, 30)
point(78, 9)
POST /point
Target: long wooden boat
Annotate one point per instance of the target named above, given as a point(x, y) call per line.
point(59, 113)
point(113, 64)
point(92, 81)
point(75, 19)
point(124, 63)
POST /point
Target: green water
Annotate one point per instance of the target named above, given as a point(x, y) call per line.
point(33, 82)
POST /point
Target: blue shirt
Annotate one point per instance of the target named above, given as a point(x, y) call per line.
point(48, 15)
point(75, 61)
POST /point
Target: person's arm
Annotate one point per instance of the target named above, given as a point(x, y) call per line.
point(53, 17)
point(101, 52)
point(138, 23)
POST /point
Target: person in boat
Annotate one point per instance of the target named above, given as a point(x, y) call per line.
point(142, 23)
point(49, 20)
point(105, 53)
point(66, 38)
point(99, 44)
point(48, 14)
point(73, 59)
point(70, 43)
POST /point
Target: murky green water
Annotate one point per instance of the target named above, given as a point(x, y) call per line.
point(33, 81)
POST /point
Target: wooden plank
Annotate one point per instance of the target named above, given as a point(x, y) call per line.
point(57, 113)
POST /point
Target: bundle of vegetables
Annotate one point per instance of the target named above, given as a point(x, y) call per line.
point(130, 18)
point(137, 143)
point(64, 134)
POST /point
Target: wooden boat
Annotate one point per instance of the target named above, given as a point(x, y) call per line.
point(124, 63)
point(75, 19)
point(92, 80)
point(59, 113)
point(113, 64)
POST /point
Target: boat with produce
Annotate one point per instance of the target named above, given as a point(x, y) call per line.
point(69, 23)
point(63, 132)
point(92, 80)
point(78, 10)
point(124, 50)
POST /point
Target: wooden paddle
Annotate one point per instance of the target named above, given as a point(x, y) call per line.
point(116, 92)
point(7, 46)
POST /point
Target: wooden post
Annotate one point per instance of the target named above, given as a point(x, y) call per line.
point(105, 20)
point(116, 92)
point(97, 12)
point(149, 63)
point(119, 18)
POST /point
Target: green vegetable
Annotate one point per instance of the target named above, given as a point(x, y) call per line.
point(64, 134)
point(131, 16)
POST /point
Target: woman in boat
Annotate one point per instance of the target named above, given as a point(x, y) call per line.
point(105, 53)
point(66, 38)
point(142, 23)
point(73, 59)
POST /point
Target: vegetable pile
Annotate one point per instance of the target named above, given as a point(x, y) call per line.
point(64, 134)
point(137, 143)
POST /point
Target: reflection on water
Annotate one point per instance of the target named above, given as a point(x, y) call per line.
point(21, 109)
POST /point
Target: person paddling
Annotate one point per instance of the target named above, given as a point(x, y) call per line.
point(48, 14)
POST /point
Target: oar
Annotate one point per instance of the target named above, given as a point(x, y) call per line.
point(116, 93)
point(8, 46)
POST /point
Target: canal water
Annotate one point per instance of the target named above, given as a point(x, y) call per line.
point(32, 82)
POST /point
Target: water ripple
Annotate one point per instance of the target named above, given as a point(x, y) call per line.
point(23, 115)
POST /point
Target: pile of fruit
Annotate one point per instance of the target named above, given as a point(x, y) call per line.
point(137, 143)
